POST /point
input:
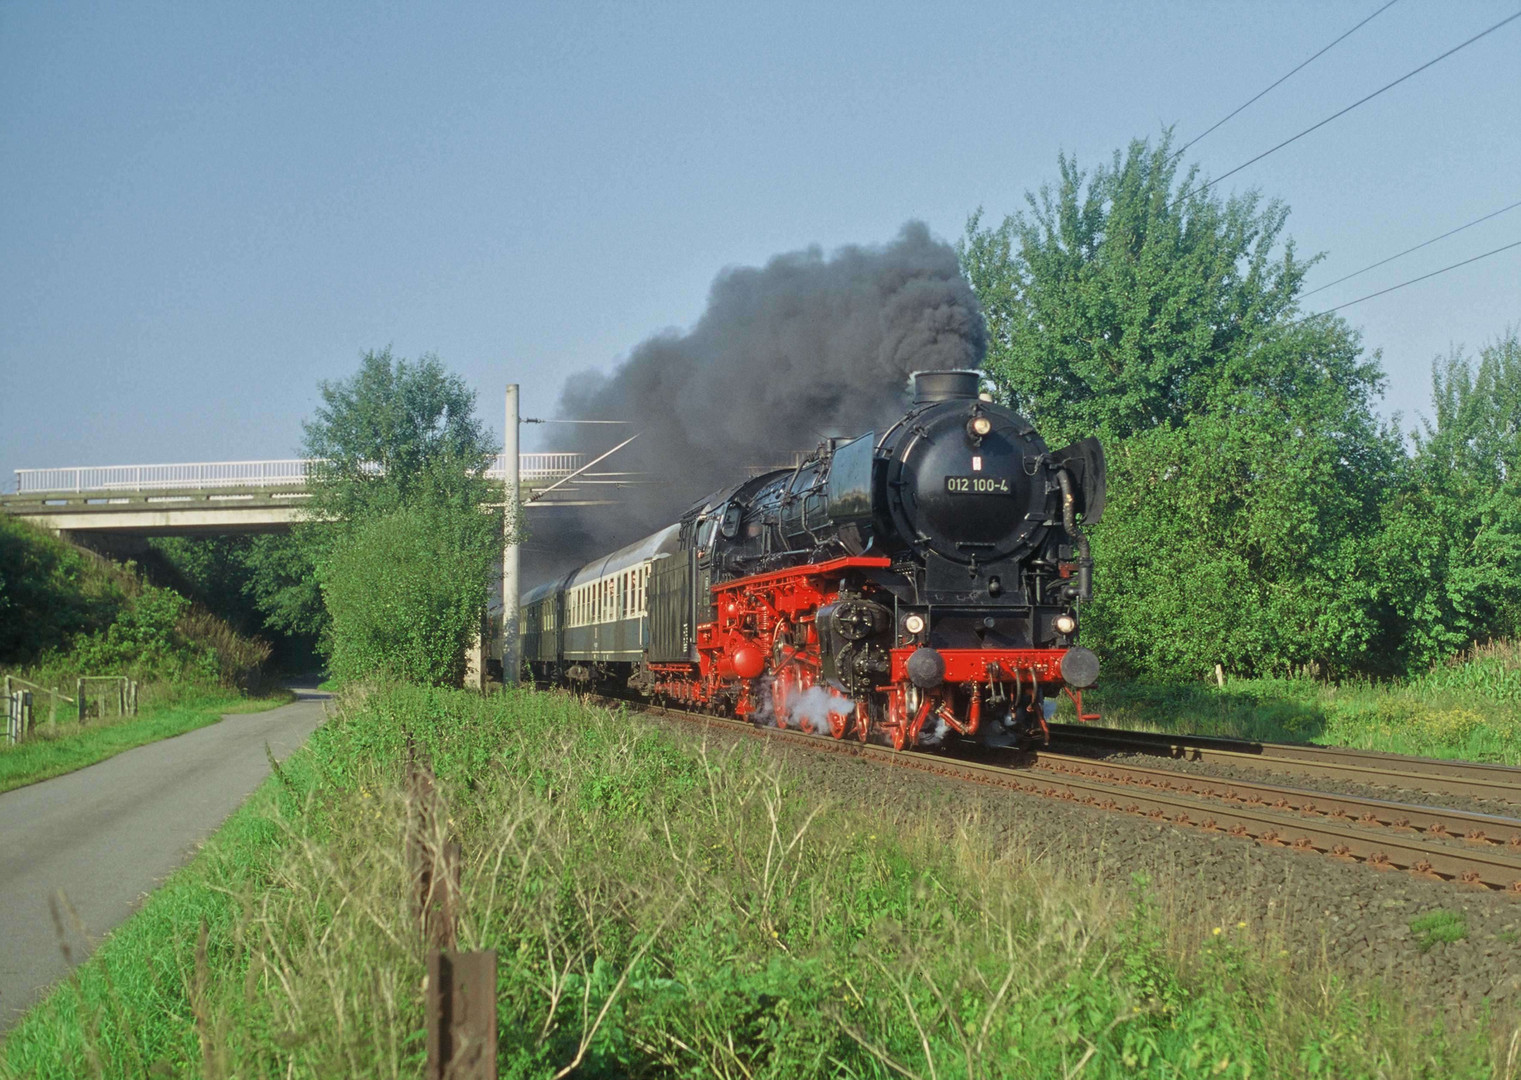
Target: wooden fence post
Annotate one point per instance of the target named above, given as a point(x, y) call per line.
point(79, 699)
point(461, 1015)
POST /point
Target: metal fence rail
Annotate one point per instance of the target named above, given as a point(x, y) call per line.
point(215, 475)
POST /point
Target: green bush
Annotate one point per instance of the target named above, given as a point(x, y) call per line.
point(66, 611)
point(1449, 559)
point(51, 591)
point(406, 591)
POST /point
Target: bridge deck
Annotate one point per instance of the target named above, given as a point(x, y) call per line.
point(216, 498)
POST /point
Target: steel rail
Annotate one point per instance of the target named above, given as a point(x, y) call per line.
point(1485, 866)
point(1435, 822)
point(1434, 775)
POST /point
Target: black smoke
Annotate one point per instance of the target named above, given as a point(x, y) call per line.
point(804, 347)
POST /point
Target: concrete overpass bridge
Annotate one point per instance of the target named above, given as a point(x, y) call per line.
point(116, 509)
point(221, 498)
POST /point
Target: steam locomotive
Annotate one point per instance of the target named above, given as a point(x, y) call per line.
point(906, 587)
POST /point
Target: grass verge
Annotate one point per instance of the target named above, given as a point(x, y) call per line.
point(54, 751)
point(1469, 709)
point(660, 910)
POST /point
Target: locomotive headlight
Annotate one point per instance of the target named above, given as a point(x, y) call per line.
point(914, 624)
point(1064, 624)
point(980, 426)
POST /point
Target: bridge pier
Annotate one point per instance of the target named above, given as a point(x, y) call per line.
point(483, 660)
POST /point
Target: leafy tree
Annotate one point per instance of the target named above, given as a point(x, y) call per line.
point(406, 590)
point(1246, 464)
point(397, 432)
point(258, 584)
point(1451, 547)
point(281, 580)
point(403, 530)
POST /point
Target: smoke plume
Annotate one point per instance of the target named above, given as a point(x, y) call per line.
point(785, 354)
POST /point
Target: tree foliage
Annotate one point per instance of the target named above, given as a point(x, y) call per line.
point(1120, 298)
point(398, 432)
point(1246, 463)
point(406, 590)
point(259, 584)
point(51, 591)
point(1450, 553)
point(65, 611)
point(403, 532)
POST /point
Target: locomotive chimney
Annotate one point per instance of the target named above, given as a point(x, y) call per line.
point(944, 385)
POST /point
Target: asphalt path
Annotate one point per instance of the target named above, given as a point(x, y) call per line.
point(109, 834)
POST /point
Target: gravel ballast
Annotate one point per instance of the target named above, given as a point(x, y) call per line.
point(1309, 911)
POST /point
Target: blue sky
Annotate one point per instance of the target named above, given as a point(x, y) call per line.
point(206, 209)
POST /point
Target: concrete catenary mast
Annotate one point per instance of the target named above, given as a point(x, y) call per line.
point(511, 654)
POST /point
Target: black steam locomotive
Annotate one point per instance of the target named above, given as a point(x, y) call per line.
point(906, 586)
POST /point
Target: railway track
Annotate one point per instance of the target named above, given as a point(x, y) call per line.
point(1501, 783)
point(1478, 850)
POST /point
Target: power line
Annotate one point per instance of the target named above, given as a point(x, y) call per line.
point(1407, 251)
point(1412, 281)
point(1285, 78)
point(1355, 104)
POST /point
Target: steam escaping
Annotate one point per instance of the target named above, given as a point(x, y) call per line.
point(807, 710)
point(805, 347)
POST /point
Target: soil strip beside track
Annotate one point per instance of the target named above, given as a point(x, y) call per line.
point(1434, 775)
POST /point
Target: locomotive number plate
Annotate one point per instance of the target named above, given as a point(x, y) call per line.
point(977, 485)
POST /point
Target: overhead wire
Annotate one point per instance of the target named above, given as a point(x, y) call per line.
point(1360, 101)
point(1423, 277)
point(1408, 250)
point(1301, 66)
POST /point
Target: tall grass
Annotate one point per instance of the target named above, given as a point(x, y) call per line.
point(1469, 708)
point(660, 909)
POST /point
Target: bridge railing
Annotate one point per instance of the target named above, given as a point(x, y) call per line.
point(216, 475)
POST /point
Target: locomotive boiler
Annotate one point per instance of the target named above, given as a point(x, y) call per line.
point(906, 586)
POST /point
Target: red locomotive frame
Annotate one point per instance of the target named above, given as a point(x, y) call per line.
point(765, 640)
